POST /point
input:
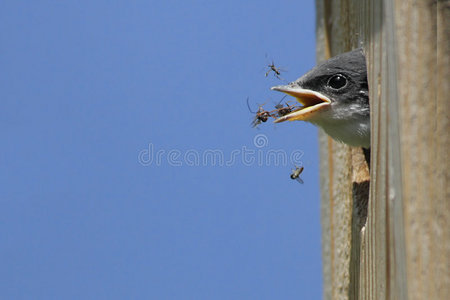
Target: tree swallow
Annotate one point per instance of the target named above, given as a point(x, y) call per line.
point(335, 97)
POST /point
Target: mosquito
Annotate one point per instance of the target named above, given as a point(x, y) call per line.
point(276, 71)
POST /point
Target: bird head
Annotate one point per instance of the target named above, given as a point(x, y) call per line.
point(335, 97)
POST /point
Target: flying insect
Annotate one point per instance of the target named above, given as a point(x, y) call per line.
point(295, 175)
point(276, 71)
point(261, 115)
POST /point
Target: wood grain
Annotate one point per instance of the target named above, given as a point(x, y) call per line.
point(395, 243)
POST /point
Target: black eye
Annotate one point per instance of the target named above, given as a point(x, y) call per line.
point(337, 81)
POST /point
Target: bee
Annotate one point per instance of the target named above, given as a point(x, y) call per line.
point(295, 175)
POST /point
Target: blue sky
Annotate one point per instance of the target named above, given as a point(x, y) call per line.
point(88, 87)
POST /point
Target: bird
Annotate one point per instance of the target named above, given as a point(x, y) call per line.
point(335, 97)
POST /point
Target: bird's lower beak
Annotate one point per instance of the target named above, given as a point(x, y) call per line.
point(312, 101)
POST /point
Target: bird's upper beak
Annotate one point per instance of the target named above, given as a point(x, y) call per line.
point(312, 102)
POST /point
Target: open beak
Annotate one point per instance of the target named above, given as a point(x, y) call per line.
point(312, 101)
